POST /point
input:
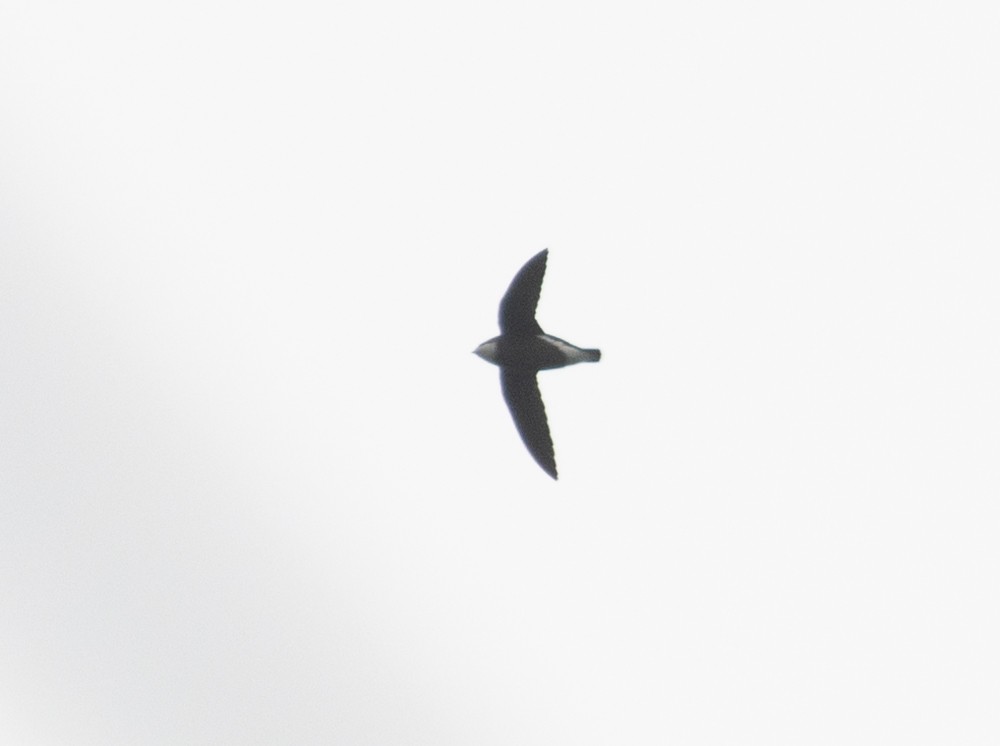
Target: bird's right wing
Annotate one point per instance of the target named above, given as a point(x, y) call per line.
point(520, 391)
point(517, 309)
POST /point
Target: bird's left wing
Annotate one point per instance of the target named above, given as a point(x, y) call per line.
point(517, 308)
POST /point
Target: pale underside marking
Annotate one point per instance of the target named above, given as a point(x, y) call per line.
point(573, 354)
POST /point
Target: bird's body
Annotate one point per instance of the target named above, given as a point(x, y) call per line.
point(523, 349)
point(536, 352)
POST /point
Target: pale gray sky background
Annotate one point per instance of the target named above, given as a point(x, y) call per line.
point(255, 488)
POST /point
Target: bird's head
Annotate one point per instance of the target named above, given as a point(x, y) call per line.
point(488, 351)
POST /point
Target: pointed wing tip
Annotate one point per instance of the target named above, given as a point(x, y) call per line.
point(524, 400)
point(549, 469)
point(517, 307)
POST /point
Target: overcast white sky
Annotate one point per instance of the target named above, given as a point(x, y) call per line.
point(255, 488)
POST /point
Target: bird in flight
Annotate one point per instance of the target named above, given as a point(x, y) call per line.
point(523, 349)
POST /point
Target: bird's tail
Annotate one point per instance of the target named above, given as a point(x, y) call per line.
point(591, 356)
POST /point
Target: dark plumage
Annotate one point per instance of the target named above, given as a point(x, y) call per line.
point(523, 349)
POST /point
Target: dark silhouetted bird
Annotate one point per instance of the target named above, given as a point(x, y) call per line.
point(523, 349)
